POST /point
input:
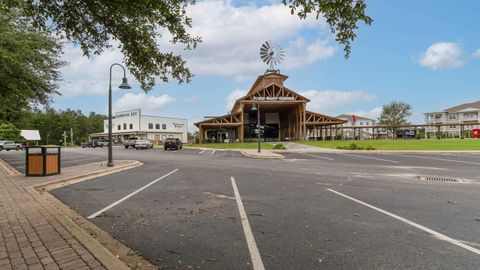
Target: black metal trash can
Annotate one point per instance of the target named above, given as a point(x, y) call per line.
point(42, 160)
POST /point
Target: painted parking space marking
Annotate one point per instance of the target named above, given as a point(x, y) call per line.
point(129, 195)
point(374, 158)
point(252, 245)
point(438, 235)
point(319, 157)
point(213, 152)
point(201, 152)
point(440, 159)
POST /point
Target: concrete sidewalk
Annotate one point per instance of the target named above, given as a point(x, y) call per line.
point(253, 153)
point(36, 235)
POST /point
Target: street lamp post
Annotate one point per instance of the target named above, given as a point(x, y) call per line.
point(257, 108)
point(124, 85)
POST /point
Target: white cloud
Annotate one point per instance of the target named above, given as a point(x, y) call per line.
point(89, 76)
point(234, 95)
point(328, 101)
point(149, 104)
point(477, 53)
point(232, 37)
point(372, 114)
point(191, 99)
point(442, 55)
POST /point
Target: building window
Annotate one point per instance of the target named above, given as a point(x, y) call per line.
point(452, 116)
point(150, 126)
point(131, 126)
point(361, 123)
point(164, 126)
point(124, 125)
point(157, 126)
point(119, 127)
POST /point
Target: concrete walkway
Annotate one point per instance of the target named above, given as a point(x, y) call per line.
point(36, 235)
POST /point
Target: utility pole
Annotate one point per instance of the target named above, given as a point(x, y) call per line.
point(71, 136)
point(65, 138)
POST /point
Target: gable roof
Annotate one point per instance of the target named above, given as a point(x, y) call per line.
point(349, 117)
point(264, 82)
point(474, 105)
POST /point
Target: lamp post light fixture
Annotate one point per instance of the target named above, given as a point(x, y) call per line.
point(124, 85)
point(257, 108)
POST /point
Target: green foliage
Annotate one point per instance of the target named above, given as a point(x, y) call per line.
point(30, 61)
point(279, 146)
point(9, 132)
point(342, 16)
point(395, 114)
point(354, 146)
point(52, 124)
point(137, 26)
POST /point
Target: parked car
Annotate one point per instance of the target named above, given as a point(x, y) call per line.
point(9, 145)
point(101, 143)
point(406, 134)
point(172, 143)
point(94, 144)
point(130, 142)
point(143, 144)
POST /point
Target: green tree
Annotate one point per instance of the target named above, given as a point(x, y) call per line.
point(9, 132)
point(343, 16)
point(138, 25)
point(394, 114)
point(30, 61)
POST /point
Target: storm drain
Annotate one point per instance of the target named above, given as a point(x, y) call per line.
point(440, 179)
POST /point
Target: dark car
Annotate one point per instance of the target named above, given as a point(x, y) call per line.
point(172, 143)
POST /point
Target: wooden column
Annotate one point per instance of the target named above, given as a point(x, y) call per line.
point(240, 130)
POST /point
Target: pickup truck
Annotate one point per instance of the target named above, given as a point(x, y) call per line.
point(9, 145)
point(130, 142)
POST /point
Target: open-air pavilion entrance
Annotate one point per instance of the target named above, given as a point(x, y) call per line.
point(283, 115)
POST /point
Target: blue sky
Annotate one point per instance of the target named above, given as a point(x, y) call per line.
point(420, 52)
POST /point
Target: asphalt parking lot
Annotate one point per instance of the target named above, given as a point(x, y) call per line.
point(205, 209)
point(68, 158)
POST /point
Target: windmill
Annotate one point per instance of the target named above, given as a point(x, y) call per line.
point(272, 54)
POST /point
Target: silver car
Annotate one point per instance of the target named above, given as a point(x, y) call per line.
point(9, 145)
point(143, 144)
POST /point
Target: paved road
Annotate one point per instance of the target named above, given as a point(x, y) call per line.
point(307, 211)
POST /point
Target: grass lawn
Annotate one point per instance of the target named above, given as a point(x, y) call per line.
point(246, 145)
point(433, 144)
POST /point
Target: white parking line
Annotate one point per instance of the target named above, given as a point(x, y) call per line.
point(129, 195)
point(252, 245)
point(438, 235)
point(315, 156)
point(201, 151)
point(213, 152)
point(440, 159)
point(374, 158)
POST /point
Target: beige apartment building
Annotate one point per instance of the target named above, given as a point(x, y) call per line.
point(453, 118)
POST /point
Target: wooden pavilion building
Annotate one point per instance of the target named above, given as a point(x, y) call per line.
point(283, 116)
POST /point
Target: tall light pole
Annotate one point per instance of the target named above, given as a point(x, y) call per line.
point(124, 85)
point(257, 108)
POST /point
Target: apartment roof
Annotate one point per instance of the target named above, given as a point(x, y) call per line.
point(464, 107)
point(349, 117)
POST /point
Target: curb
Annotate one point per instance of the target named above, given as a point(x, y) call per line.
point(100, 252)
point(54, 184)
point(262, 157)
point(424, 152)
point(11, 170)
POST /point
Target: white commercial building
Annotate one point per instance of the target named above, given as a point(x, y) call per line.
point(155, 128)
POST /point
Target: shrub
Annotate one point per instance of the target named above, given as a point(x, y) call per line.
point(279, 146)
point(354, 146)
